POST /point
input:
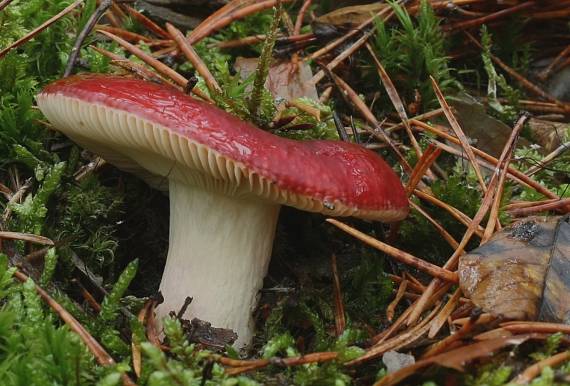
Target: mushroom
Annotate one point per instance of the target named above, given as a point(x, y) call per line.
point(226, 180)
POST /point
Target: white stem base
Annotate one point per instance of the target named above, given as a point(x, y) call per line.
point(219, 252)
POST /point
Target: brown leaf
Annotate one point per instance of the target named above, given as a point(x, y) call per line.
point(523, 272)
point(351, 16)
point(285, 80)
point(454, 359)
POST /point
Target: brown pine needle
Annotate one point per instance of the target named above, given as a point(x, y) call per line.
point(464, 141)
point(534, 371)
point(148, 23)
point(340, 320)
point(395, 99)
point(483, 209)
point(423, 164)
point(193, 57)
point(160, 67)
point(391, 309)
point(401, 256)
point(445, 312)
point(492, 160)
point(39, 29)
point(102, 357)
point(26, 237)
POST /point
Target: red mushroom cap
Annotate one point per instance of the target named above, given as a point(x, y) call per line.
point(331, 177)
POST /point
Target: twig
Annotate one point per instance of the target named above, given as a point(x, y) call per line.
point(39, 29)
point(76, 50)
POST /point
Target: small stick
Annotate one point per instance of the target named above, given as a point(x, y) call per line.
point(76, 50)
point(127, 35)
point(39, 29)
point(544, 327)
point(412, 284)
point(401, 256)
point(340, 320)
point(200, 33)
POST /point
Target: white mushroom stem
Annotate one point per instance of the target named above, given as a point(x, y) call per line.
point(219, 252)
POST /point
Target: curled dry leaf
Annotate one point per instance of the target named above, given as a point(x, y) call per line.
point(454, 359)
point(522, 272)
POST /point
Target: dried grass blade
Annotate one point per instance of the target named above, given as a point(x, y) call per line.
point(148, 23)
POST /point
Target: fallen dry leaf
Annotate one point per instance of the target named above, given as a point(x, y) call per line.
point(351, 16)
point(285, 80)
point(522, 272)
point(454, 359)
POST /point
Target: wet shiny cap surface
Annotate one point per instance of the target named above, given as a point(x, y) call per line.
point(345, 178)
